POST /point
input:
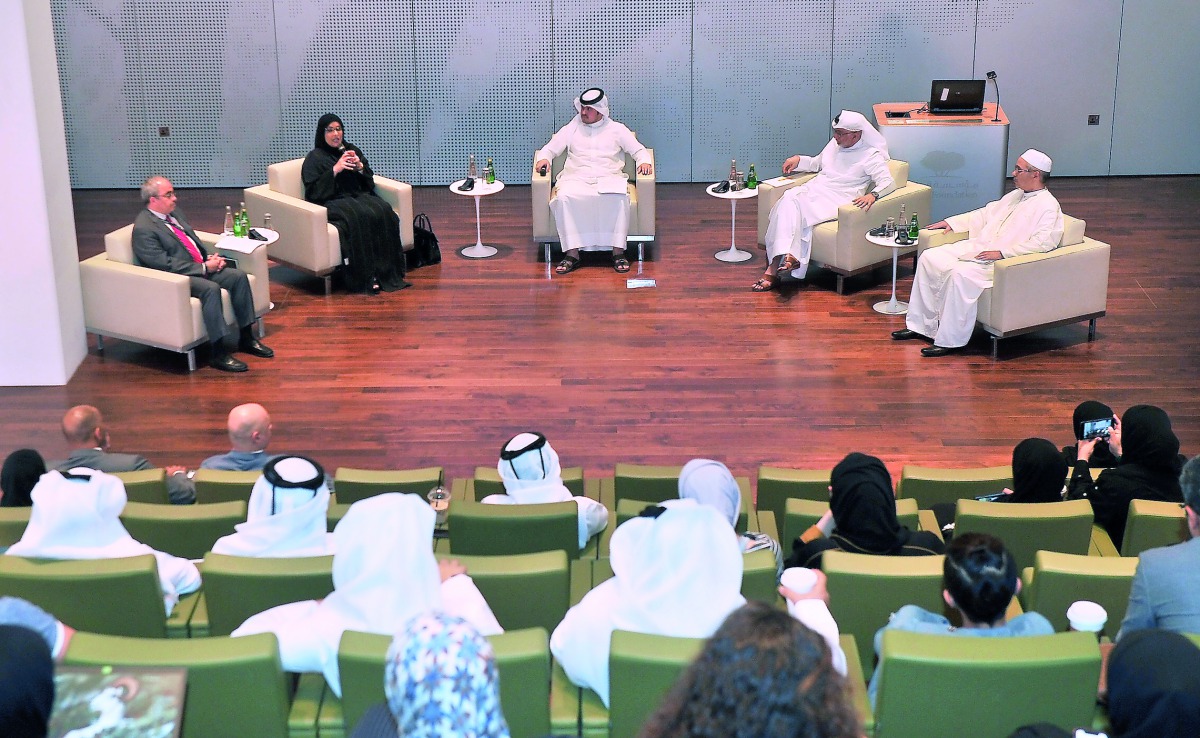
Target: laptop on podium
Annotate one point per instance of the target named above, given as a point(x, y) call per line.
point(956, 97)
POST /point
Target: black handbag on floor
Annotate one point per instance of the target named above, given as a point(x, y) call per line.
point(425, 251)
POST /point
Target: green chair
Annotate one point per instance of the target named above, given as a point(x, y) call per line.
point(934, 686)
point(218, 485)
point(352, 485)
point(641, 670)
point(777, 485)
point(800, 515)
point(187, 531)
point(1152, 524)
point(1057, 579)
point(13, 521)
point(109, 596)
point(1027, 528)
point(236, 587)
point(647, 483)
point(523, 590)
point(865, 590)
point(522, 660)
point(147, 485)
point(487, 482)
point(931, 485)
point(235, 686)
point(497, 530)
point(335, 514)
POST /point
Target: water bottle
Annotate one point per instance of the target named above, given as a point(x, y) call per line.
point(902, 220)
point(439, 500)
point(489, 172)
point(752, 180)
point(914, 228)
point(732, 170)
point(227, 229)
point(241, 222)
point(472, 172)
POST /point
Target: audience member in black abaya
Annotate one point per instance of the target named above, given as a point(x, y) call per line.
point(1102, 455)
point(337, 176)
point(26, 683)
point(1039, 472)
point(1148, 469)
point(861, 518)
point(21, 471)
point(1154, 686)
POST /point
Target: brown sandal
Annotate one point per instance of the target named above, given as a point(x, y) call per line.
point(765, 284)
point(786, 266)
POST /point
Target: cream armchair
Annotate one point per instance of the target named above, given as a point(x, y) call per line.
point(641, 203)
point(1036, 291)
point(307, 241)
point(124, 300)
point(840, 245)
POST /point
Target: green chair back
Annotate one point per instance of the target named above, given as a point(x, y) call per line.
point(13, 521)
point(1027, 528)
point(236, 587)
point(630, 508)
point(477, 529)
point(934, 686)
point(147, 485)
point(187, 531)
point(931, 485)
point(523, 590)
point(218, 485)
point(335, 515)
point(1060, 579)
point(800, 515)
point(487, 481)
point(1152, 524)
point(647, 483)
point(777, 485)
point(110, 596)
point(865, 590)
point(352, 485)
point(235, 686)
point(522, 660)
point(641, 670)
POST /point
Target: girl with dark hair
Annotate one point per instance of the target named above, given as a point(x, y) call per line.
point(1148, 468)
point(22, 470)
point(980, 579)
point(762, 673)
point(337, 176)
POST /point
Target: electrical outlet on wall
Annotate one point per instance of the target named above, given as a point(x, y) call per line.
point(164, 131)
point(1093, 120)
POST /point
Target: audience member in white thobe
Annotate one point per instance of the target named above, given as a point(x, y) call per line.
point(76, 516)
point(853, 167)
point(286, 514)
point(531, 474)
point(591, 202)
point(710, 483)
point(951, 278)
point(384, 573)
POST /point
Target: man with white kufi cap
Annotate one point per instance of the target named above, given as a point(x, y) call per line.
point(950, 278)
point(590, 201)
point(531, 474)
point(854, 162)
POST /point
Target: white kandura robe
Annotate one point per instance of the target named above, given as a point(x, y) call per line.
point(842, 175)
point(591, 201)
point(79, 519)
point(945, 291)
point(298, 531)
point(384, 574)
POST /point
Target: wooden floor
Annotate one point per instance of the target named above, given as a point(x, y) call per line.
point(444, 372)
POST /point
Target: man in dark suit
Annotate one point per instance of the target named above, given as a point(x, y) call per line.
point(83, 427)
point(162, 239)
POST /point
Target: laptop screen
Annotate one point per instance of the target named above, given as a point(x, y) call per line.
point(956, 97)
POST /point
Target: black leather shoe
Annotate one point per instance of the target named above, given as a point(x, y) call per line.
point(936, 351)
point(904, 334)
point(227, 363)
point(254, 347)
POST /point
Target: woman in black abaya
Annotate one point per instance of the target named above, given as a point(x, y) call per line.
point(336, 175)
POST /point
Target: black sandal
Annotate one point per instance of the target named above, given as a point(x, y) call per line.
point(764, 284)
point(620, 263)
point(568, 264)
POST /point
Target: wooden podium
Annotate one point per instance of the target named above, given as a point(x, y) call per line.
point(963, 158)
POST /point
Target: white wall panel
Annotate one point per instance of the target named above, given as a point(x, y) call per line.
point(1055, 64)
point(761, 87)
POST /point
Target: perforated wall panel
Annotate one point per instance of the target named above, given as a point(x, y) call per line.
point(761, 87)
point(640, 54)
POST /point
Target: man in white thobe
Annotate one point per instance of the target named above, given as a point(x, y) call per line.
point(854, 161)
point(591, 202)
point(950, 278)
point(286, 516)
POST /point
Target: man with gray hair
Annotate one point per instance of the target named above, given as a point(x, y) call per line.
point(950, 279)
point(163, 240)
point(1166, 586)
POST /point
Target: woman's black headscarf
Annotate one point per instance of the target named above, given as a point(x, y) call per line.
point(20, 473)
point(26, 682)
point(1089, 410)
point(1039, 472)
point(1102, 455)
point(864, 506)
point(1147, 439)
point(1154, 685)
point(322, 124)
